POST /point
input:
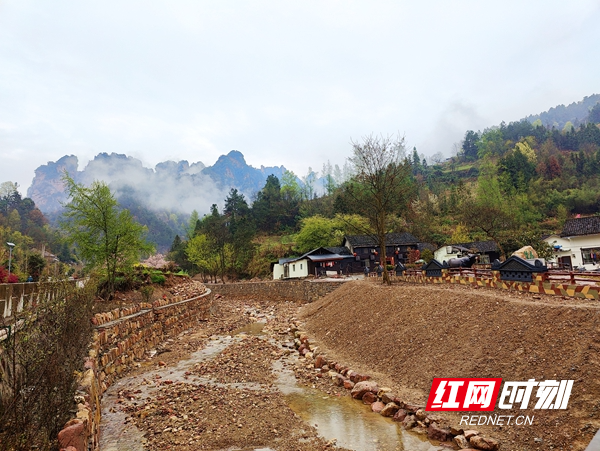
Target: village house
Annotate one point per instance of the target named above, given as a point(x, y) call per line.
point(357, 252)
point(320, 261)
point(578, 245)
point(397, 248)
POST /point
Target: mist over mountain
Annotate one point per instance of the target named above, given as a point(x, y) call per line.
point(176, 186)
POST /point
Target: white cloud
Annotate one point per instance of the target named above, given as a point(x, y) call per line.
point(283, 82)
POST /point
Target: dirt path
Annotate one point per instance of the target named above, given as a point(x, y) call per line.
point(406, 335)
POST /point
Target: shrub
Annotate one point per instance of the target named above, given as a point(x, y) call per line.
point(47, 352)
point(158, 278)
point(147, 292)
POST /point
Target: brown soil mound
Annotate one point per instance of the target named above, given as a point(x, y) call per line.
point(406, 335)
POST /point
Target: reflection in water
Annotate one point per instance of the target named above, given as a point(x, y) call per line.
point(351, 423)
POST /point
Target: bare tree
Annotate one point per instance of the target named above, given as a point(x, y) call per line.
point(382, 185)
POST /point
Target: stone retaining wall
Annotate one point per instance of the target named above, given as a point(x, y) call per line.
point(121, 337)
point(538, 285)
point(277, 290)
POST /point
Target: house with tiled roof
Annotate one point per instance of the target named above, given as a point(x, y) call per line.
point(487, 250)
point(317, 262)
point(578, 245)
point(397, 247)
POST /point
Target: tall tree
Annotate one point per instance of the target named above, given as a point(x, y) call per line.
point(382, 184)
point(107, 237)
point(469, 145)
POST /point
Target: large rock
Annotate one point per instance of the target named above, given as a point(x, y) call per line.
point(363, 387)
point(470, 433)
point(526, 253)
point(387, 397)
point(390, 409)
point(377, 406)
point(370, 398)
point(74, 434)
point(400, 415)
point(437, 433)
point(461, 442)
point(484, 443)
point(409, 422)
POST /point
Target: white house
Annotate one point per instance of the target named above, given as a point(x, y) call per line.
point(578, 245)
point(318, 261)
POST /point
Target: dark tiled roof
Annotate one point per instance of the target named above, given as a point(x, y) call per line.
point(581, 226)
point(423, 246)
point(391, 239)
point(480, 246)
point(340, 250)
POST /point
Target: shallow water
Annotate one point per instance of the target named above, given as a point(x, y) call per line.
point(352, 424)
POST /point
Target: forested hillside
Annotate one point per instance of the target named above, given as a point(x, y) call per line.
point(511, 183)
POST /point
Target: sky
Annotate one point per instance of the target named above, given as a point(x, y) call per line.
point(288, 83)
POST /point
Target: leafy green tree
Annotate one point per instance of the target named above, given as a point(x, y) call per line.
point(469, 146)
point(35, 265)
point(491, 143)
point(290, 189)
point(594, 116)
point(241, 231)
point(488, 211)
point(318, 231)
point(192, 224)
point(200, 252)
point(107, 237)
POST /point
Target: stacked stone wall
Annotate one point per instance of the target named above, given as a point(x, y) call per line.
point(121, 337)
point(277, 290)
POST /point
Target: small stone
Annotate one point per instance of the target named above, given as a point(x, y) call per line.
point(484, 443)
point(420, 414)
point(348, 384)
point(470, 433)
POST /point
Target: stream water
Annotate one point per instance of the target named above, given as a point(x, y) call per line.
point(349, 422)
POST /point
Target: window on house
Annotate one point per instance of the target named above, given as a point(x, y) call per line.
point(293, 267)
point(300, 266)
point(590, 256)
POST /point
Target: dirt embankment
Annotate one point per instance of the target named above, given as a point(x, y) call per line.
point(406, 335)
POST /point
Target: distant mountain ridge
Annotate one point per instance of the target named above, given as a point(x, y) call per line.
point(558, 116)
point(176, 186)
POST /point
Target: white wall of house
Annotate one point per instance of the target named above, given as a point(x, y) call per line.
point(296, 269)
point(277, 271)
point(442, 255)
point(579, 248)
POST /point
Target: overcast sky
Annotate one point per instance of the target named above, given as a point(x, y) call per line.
point(284, 82)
